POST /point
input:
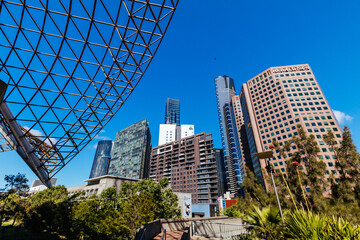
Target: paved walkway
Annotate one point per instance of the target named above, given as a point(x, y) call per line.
point(170, 235)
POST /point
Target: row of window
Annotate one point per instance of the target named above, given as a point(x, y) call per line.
point(298, 80)
point(293, 74)
point(314, 124)
point(295, 133)
point(307, 104)
point(303, 94)
point(310, 109)
point(301, 89)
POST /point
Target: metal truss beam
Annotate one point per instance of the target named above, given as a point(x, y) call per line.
point(19, 142)
point(69, 66)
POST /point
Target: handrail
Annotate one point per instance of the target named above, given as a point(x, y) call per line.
point(220, 223)
point(143, 234)
point(164, 235)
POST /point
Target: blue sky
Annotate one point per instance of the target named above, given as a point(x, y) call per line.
point(239, 39)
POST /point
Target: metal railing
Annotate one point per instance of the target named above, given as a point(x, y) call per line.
point(164, 235)
point(218, 229)
point(143, 235)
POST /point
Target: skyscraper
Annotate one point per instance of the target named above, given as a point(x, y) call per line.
point(244, 145)
point(101, 159)
point(275, 102)
point(220, 169)
point(225, 90)
point(172, 111)
point(131, 152)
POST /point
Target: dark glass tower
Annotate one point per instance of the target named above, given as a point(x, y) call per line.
point(220, 168)
point(172, 111)
point(131, 152)
point(101, 159)
point(234, 167)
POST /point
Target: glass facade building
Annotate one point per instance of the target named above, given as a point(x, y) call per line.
point(220, 168)
point(225, 90)
point(101, 159)
point(131, 152)
point(172, 111)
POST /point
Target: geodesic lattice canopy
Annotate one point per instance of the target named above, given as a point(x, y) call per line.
point(68, 66)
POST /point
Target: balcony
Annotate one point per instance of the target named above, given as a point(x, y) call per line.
point(203, 196)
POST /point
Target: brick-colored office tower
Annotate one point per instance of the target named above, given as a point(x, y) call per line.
point(190, 165)
point(278, 99)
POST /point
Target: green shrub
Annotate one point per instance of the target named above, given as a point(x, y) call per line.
point(232, 212)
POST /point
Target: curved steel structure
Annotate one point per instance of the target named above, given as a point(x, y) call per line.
point(68, 66)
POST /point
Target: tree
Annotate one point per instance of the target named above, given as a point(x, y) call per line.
point(50, 210)
point(254, 192)
point(163, 197)
point(145, 210)
point(312, 169)
point(16, 185)
point(86, 220)
point(347, 162)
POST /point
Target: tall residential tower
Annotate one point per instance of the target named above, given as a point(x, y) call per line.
point(190, 165)
point(225, 90)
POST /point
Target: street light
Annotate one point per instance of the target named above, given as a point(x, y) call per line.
point(267, 155)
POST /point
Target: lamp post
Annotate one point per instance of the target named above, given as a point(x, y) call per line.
point(267, 155)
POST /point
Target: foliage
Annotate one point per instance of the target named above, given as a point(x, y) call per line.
point(330, 216)
point(254, 193)
point(266, 222)
point(347, 161)
point(162, 196)
point(112, 215)
point(49, 210)
point(232, 212)
point(305, 225)
point(338, 228)
point(20, 233)
point(86, 220)
point(143, 206)
point(11, 206)
point(308, 225)
point(304, 170)
point(17, 183)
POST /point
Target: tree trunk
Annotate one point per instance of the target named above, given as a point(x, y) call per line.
point(14, 221)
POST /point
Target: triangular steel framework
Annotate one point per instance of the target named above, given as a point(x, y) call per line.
point(69, 66)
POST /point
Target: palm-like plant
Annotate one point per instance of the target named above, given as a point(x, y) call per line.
point(306, 225)
point(340, 229)
point(265, 223)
